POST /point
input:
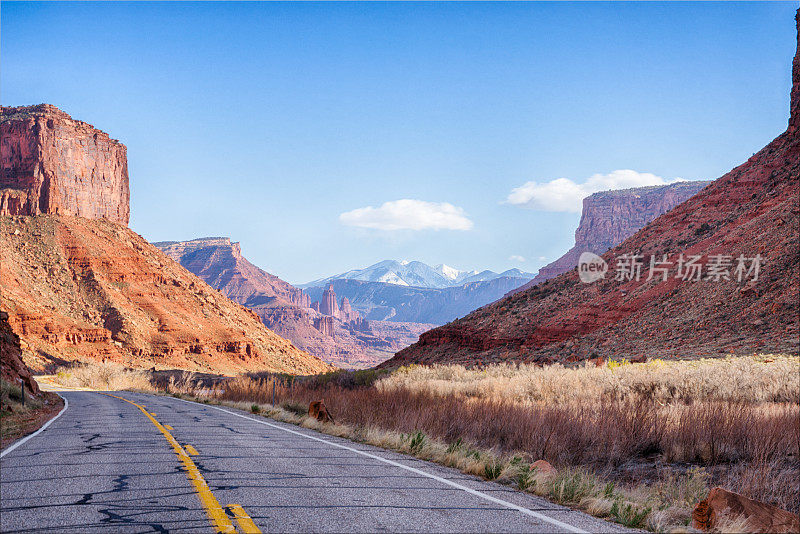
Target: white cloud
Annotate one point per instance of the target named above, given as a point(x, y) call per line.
point(408, 214)
point(562, 194)
point(515, 257)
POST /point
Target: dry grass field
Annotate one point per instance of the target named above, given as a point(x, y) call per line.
point(640, 444)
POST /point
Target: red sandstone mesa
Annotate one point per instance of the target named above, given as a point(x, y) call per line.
point(610, 217)
point(78, 285)
point(53, 164)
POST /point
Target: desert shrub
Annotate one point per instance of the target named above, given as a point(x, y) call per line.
point(105, 376)
point(492, 469)
point(573, 485)
point(629, 514)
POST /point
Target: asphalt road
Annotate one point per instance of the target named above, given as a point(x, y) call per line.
point(107, 465)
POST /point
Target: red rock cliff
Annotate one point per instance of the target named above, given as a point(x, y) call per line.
point(53, 164)
point(610, 217)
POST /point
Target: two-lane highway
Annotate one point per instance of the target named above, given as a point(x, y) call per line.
point(127, 462)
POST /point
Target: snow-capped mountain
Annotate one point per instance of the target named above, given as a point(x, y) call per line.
point(417, 274)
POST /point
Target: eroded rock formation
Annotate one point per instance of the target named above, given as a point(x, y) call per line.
point(328, 304)
point(86, 290)
point(610, 217)
point(53, 164)
point(341, 338)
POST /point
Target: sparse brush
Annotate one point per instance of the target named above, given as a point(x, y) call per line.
point(255, 408)
point(573, 485)
point(629, 514)
point(295, 407)
point(455, 446)
point(415, 442)
point(492, 469)
point(525, 479)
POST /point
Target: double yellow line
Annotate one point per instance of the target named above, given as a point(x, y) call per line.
point(217, 515)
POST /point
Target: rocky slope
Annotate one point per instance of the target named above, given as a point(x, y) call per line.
point(610, 217)
point(331, 329)
point(220, 263)
point(392, 302)
point(752, 210)
point(53, 164)
point(82, 290)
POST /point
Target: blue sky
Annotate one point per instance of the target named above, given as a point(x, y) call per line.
point(330, 136)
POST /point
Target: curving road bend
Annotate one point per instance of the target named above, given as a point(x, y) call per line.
point(129, 462)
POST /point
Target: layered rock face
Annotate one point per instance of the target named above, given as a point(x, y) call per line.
point(610, 217)
point(219, 262)
point(53, 164)
point(12, 367)
point(86, 290)
point(78, 285)
point(752, 211)
point(337, 335)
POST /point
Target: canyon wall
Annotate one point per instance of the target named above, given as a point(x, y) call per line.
point(610, 217)
point(53, 164)
point(334, 333)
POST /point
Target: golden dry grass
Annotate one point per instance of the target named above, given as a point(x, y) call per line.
point(762, 378)
point(103, 377)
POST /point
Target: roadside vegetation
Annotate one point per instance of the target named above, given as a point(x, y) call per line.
point(16, 419)
point(639, 444)
point(103, 377)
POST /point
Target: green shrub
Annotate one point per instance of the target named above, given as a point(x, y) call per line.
point(492, 469)
point(416, 442)
point(628, 514)
point(525, 478)
point(455, 446)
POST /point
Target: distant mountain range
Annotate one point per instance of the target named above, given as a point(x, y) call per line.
point(380, 301)
point(418, 274)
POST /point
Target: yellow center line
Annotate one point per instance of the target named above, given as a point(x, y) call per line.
point(214, 510)
point(191, 450)
point(246, 524)
point(168, 427)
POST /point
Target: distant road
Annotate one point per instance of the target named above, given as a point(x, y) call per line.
point(142, 463)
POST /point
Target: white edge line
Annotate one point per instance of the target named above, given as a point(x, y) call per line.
point(471, 491)
point(44, 427)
